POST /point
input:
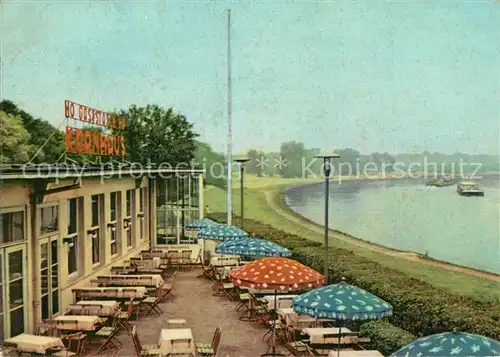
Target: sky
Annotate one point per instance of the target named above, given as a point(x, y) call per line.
point(373, 75)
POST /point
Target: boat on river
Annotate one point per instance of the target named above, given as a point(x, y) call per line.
point(441, 182)
point(469, 188)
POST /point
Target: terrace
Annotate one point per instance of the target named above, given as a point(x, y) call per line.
point(187, 293)
point(192, 299)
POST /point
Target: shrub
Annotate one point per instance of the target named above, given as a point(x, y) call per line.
point(419, 307)
point(385, 337)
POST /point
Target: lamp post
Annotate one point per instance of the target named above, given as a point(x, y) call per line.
point(241, 161)
point(327, 170)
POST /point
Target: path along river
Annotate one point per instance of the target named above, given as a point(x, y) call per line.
point(407, 215)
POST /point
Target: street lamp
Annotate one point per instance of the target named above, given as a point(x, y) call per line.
point(241, 161)
point(327, 170)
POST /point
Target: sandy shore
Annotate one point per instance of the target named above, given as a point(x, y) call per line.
point(275, 200)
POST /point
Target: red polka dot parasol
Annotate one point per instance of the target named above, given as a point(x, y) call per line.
point(276, 274)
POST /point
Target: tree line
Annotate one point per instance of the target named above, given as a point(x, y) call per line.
point(157, 135)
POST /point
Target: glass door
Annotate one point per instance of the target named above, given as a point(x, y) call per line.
point(16, 290)
point(49, 277)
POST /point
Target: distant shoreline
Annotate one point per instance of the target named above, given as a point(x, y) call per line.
point(276, 199)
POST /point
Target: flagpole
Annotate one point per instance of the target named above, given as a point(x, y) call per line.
point(229, 122)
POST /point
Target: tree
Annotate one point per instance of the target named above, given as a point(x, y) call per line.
point(212, 162)
point(41, 133)
point(292, 153)
point(256, 163)
point(14, 143)
point(159, 136)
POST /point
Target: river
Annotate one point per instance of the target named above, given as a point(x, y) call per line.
point(409, 216)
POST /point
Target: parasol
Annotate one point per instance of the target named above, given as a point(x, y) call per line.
point(278, 274)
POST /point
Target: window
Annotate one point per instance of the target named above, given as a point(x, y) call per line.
point(141, 213)
point(11, 227)
point(177, 205)
point(95, 210)
point(127, 223)
point(73, 256)
point(141, 200)
point(128, 232)
point(96, 253)
point(114, 244)
point(72, 216)
point(112, 203)
point(49, 219)
point(128, 210)
point(94, 231)
point(73, 234)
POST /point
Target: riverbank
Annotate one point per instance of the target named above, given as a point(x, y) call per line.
point(263, 202)
point(275, 199)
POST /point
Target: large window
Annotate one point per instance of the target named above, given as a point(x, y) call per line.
point(94, 231)
point(49, 219)
point(11, 227)
point(112, 203)
point(177, 205)
point(127, 224)
point(49, 278)
point(72, 235)
point(128, 207)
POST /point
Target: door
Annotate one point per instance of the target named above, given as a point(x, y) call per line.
point(49, 277)
point(2, 294)
point(15, 290)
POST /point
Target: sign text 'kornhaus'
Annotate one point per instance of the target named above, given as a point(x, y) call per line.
point(89, 140)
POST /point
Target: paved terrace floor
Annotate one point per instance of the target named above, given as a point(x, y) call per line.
point(191, 299)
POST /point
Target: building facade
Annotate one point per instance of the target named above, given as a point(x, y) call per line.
point(58, 233)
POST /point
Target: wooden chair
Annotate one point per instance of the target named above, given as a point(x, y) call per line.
point(108, 333)
point(122, 317)
point(143, 350)
point(151, 303)
point(78, 339)
point(296, 348)
point(208, 272)
point(209, 350)
point(45, 329)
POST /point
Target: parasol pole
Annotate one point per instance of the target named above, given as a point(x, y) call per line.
point(273, 322)
point(229, 122)
point(340, 337)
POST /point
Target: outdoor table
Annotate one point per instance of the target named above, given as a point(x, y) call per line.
point(27, 343)
point(122, 292)
point(316, 334)
point(168, 338)
point(363, 353)
point(132, 280)
point(300, 321)
point(224, 261)
point(76, 322)
point(268, 292)
point(225, 272)
point(283, 301)
point(108, 307)
point(156, 254)
point(150, 263)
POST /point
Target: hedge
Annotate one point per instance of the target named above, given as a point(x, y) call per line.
point(419, 307)
point(385, 337)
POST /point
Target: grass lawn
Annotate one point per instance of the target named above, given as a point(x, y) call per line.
point(257, 207)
